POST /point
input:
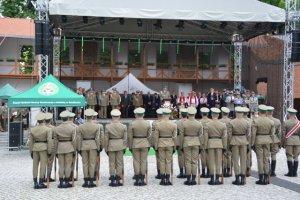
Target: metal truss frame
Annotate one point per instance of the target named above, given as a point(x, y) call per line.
point(288, 69)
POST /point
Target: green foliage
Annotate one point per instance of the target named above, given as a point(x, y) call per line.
point(278, 3)
point(17, 9)
point(27, 59)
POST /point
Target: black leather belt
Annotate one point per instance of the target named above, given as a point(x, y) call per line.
point(88, 139)
point(190, 135)
point(115, 138)
point(40, 141)
point(65, 140)
point(262, 134)
point(214, 137)
point(238, 134)
point(165, 137)
point(139, 136)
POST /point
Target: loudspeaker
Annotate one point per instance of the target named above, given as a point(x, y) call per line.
point(42, 37)
point(295, 57)
point(15, 134)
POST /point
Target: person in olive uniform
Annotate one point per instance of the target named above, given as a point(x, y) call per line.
point(159, 114)
point(65, 143)
point(179, 123)
point(262, 136)
point(203, 154)
point(103, 99)
point(165, 142)
point(71, 121)
point(291, 142)
point(40, 147)
point(89, 146)
point(277, 139)
point(191, 132)
point(249, 150)
point(48, 122)
point(227, 154)
point(239, 130)
point(139, 133)
point(215, 134)
point(115, 99)
point(115, 145)
point(91, 99)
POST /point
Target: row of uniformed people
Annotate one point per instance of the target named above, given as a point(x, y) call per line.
point(210, 139)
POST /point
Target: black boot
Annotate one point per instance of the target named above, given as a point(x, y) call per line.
point(180, 175)
point(91, 183)
point(134, 177)
point(168, 182)
point(203, 173)
point(248, 172)
point(193, 182)
point(229, 172)
point(113, 181)
point(35, 184)
point(217, 181)
point(162, 180)
point(188, 180)
point(207, 174)
point(95, 175)
point(237, 180)
point(67, 183)
point(225, 172)
point(136, 182)
point(266, 179)
point(158, 176)
point(86, 183)
point(295, 168)
point(260, 179)
point(212, 181)
point(118, 178)
point(61, 183)
point(243, 179)
point(273, 166)
point(142, 180)
point(41, 184)
point(290, 168)
point(72, 175)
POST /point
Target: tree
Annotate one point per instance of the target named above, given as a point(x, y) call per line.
point(278, 3)
point(17, 8)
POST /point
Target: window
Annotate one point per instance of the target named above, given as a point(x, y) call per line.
point(204, 60)
point(134, 58)
point(162, 59)
point(64, 55)
point(104, 55)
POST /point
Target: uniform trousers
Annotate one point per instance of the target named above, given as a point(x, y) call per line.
point(165, 159)
point(239, 153)
point(50, 164)
point(116, 162)
point(140, 160)
point(263, 153)
point(191, 155)
point(180, 158)
point(89, 162)
point(215, 161)
point(39, 158)
point(274, 148)
point(203, 156)
point(65, 164)
point(103, 112)
point(292, 152)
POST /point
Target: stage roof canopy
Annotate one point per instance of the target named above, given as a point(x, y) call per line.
point(203, 19)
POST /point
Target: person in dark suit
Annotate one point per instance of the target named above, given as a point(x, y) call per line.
point(148, 101)
point(211, 98)
point(156, 101)
point(125, 104)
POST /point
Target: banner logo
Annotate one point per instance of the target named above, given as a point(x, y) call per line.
point(48, 89)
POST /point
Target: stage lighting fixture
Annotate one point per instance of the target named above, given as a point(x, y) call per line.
point(180, 25)
point(64, 19)
point(139, 22)
point(158, 24)
point(203, 25)
point(102, 20)
point(241, 26)
point(223, 25)
point(85, 19)
point(121, 21)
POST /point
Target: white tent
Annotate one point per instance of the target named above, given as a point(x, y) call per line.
point(212, 10)
point(131, 84)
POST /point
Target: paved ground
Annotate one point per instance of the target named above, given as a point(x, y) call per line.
point(16, 183)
